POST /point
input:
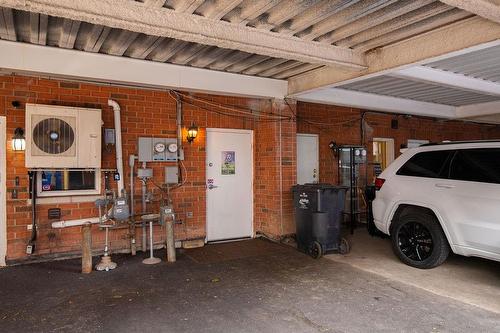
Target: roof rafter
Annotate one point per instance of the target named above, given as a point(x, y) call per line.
point(449, 79)
point(489, 9)
point(459, 37)
point(136, 17)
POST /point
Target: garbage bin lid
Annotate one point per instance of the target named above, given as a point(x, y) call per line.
point(317, 186)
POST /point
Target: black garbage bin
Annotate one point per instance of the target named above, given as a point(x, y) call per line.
point(318, 218)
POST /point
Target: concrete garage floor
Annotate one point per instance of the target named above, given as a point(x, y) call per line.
point(251, 286)
point(474, 281)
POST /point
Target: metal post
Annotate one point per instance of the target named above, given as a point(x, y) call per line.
point(86, 248)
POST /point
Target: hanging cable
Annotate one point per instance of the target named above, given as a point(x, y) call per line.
point(233, 111)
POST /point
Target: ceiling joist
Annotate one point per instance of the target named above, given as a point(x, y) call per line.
point(489, 9)
point(450, 40)
point(137, 17)
point(448, 79)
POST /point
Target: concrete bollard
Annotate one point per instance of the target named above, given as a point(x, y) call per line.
point(87, 248)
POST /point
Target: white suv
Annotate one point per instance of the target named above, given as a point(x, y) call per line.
point(439, 197)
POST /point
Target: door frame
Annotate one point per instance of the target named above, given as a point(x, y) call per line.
point(313, 135)
point(3, 189)
point(252, 201)
point(391, 144)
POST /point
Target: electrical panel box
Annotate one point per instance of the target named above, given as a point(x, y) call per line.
point(157, 150)
point(144, 173)
point(109, 136)
point(171, 175)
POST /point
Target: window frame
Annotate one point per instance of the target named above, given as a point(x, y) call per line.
point(67, 193)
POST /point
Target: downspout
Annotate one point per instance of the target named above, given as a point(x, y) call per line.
point(119, 152)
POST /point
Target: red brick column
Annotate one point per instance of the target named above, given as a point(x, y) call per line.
point(275, 171)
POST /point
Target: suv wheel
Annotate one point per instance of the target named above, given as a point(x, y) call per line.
point(419, 241)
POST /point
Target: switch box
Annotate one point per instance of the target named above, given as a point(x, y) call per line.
point(171, 175)
point(157, 150)
point(144, 173)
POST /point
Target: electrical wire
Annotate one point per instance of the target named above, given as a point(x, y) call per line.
point(235, 112)
point(232, 108)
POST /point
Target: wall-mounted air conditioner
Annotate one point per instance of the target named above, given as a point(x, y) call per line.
point(62, 137)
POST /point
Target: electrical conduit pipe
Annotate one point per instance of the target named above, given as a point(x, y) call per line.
point(119, 167)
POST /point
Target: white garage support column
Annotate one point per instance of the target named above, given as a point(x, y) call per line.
point(71, 64)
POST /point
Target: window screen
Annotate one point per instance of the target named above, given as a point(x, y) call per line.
point(477, 165)
point(431, 164)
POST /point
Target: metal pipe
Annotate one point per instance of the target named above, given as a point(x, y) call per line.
point(144, 227)
point(131, 163)
point(133, 248)
point(151, 241)
point(119, 152)
point(180, 151)
point(74, 223)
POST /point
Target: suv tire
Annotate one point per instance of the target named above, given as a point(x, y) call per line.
point(419, 241)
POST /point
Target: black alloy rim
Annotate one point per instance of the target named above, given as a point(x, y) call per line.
point(415, 241)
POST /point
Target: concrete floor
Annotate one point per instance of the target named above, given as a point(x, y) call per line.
point(474, 281)
point(251, 286)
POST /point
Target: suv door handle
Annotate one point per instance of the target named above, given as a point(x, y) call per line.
point(444, 185)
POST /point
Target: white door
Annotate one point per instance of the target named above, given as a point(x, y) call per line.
point(307, 158)
point(229, 184)
point(3, 198)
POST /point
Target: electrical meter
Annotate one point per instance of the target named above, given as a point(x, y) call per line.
point(157, 149)
point(172, 147)
point(160, 147)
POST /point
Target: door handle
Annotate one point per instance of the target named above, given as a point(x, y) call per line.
point(211, 187)
point(444, 185)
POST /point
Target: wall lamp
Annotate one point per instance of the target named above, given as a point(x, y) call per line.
point(18, 140)
point(192, 133)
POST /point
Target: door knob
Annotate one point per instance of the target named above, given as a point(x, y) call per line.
point(210, 186)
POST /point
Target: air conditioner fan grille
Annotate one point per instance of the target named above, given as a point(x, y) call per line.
point(53, 136)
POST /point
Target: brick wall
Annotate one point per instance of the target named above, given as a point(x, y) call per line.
point(343, 127)
point(144, 113)
point(153, 113)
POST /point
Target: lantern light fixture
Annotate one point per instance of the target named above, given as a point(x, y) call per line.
point(192, 133)
point(18, 140)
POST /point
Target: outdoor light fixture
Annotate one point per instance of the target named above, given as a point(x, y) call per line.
point(192, 133)
point(18, 141)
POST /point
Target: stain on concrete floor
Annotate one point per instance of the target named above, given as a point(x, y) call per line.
point(273, 290)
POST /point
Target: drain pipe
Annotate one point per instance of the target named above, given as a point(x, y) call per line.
point(119, 152)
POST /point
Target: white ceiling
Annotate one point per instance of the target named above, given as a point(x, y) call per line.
point(468, 84)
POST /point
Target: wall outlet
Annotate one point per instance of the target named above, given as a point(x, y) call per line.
point(189, 215)
point(29, 249)
point(29, 227)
